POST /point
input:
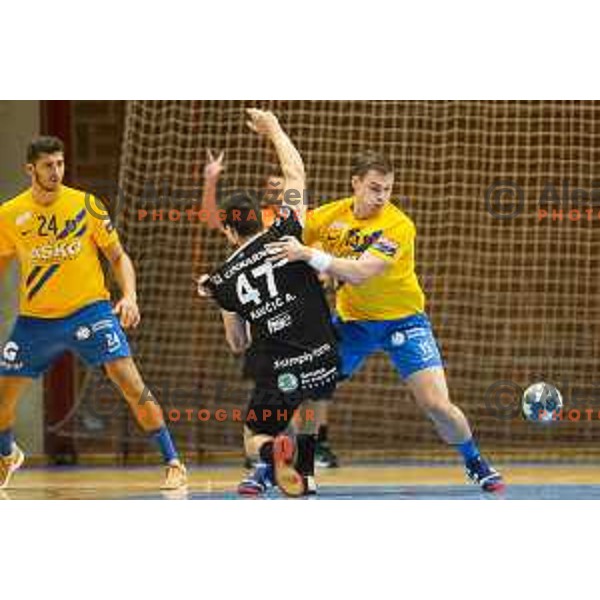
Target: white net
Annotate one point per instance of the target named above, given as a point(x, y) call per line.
point(511, 299)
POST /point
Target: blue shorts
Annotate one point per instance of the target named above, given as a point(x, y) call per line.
point(93, 333)
point(409, 342)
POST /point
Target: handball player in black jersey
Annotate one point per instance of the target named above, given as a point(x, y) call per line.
point(281, 309)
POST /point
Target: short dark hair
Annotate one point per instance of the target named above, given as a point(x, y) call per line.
point(370, 161)
point(44, 144)
point(242, 214)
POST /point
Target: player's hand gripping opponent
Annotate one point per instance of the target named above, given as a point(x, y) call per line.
point(288, 249)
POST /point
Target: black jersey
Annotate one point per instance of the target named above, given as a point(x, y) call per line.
point(293, 341)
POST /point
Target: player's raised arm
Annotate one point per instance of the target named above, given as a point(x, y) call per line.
point(212, 171)
point(265, 123)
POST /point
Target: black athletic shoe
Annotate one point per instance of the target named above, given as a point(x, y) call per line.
point(325, 457)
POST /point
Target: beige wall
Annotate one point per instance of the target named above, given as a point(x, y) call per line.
point(19, 121)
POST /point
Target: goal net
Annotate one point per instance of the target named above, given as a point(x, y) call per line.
point(512, 294)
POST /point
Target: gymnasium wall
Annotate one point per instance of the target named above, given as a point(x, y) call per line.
point(19, 122)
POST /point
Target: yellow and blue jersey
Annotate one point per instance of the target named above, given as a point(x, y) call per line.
point(57, 248)
point(389, 235)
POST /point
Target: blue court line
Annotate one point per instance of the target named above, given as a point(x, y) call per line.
point(415, 492)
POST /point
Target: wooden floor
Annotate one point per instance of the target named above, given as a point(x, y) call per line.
point(358, 482)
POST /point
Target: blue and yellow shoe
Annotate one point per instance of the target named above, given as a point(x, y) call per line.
point(258, 481)
point(485, 476)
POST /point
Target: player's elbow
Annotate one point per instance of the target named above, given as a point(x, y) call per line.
point(117, 257)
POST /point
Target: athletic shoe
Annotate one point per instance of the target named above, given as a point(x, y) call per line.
point(289, 481)
point(9, 464)
point(258, 481)
point(310, 486)
point(325, 457)
point(176, 476)
point(482, 474)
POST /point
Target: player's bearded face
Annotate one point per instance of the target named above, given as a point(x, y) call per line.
point(48, 171)
point(372, 191)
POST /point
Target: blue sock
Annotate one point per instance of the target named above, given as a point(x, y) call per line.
point(468, 449)
point(6, 442)
point(167, 448)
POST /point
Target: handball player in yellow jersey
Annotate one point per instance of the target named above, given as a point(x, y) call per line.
point(369, 245)
point(63, 301)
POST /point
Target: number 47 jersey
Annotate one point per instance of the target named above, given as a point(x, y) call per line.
point(293, 341)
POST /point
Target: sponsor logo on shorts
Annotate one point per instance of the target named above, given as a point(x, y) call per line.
point(306, 357)
point(398, 338)
point(113, 342)
point(427, 349)
point(287, 382)
point(10, 351)
point(104, 324)
point(417, 332)
point(319, 378)
point(83, 333)
point(9, 357)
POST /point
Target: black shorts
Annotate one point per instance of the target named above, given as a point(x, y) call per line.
point(270, 410)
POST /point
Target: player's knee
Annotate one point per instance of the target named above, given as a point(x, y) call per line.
point(127, 380)
point(129, 388)
point(435, 403)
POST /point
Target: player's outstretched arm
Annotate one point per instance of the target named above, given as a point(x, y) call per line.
point(124, 272)
point(212, 171)
point(351, 271)
point(264, 122)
